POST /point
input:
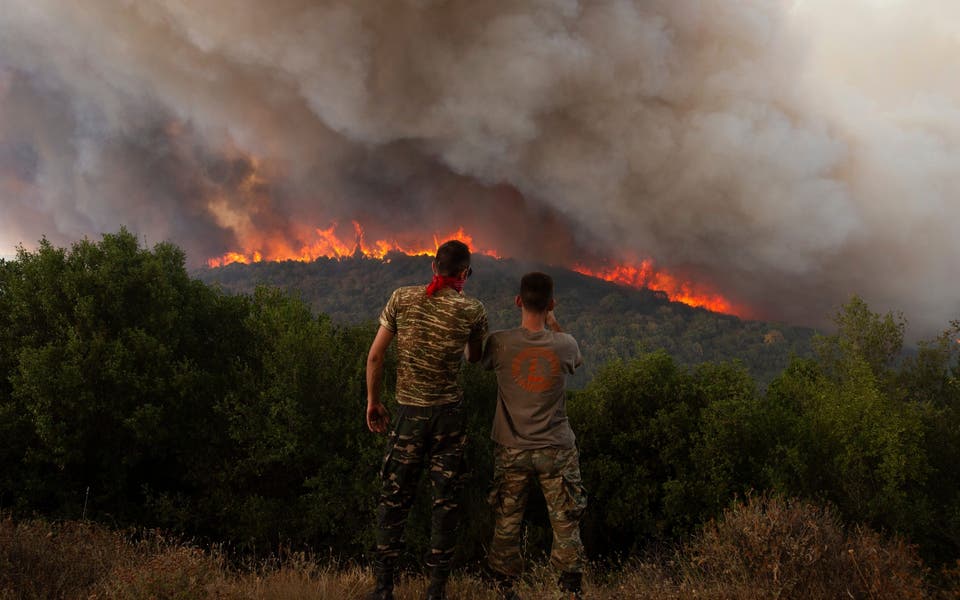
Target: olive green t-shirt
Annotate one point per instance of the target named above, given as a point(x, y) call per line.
point(432, 332)
point(531, 369)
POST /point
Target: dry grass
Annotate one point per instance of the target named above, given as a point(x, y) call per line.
point(764, 548)
point(775, 548)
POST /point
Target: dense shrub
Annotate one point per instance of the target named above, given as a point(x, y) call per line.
point(769, 547)
point(665, 446)
point(133, 393)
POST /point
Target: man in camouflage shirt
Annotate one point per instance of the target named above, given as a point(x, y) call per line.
point(534, 440)
point(434, 326)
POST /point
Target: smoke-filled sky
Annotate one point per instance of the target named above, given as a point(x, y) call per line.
point(789, 154)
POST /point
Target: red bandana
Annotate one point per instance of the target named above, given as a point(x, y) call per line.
point(439, 282)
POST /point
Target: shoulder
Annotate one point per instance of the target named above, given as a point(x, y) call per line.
point(472, 308)
point(498, 335)
point(500, 338)
point(407, 293)
point(472, 303)
point(566, 339)
point(410, 290)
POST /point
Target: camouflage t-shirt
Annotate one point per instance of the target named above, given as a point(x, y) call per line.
point(432, 332)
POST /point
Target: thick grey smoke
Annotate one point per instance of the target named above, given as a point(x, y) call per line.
point(790, 154)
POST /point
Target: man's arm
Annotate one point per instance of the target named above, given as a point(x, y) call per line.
point(552, 322)
point(474, 350)
point(488, 358)
point(377, 415)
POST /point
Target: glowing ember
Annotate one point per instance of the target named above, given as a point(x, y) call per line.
point(327, 243)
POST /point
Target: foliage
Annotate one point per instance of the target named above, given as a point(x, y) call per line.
point(132, 394)
point(877, 435)
point(175, 404)
point(665, 446)
point(769, 547)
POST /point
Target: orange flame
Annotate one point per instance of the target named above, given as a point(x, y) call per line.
point(647, 276)
point(328, 244)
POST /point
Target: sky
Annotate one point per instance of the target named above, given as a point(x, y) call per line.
point(788, 154)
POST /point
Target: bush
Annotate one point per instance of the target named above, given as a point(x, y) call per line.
point(41, 560)
point(769, 547)
point(665, 446)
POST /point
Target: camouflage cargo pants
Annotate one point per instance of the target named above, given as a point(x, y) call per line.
point(436, 436)
point(558, 472)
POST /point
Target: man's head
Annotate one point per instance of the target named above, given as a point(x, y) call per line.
point(453, 258)
point(536, 292)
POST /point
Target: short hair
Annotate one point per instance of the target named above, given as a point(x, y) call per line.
point(452, 258)
point(536, 291)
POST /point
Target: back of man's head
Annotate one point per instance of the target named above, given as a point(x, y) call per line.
point(453, 257)
point(536, 291)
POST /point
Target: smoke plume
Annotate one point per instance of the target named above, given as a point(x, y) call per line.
point(789, 154)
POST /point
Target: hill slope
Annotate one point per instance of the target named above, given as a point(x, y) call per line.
point(610, 321)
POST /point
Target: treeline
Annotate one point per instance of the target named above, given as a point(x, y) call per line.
point(610, 321)
point(131, 393)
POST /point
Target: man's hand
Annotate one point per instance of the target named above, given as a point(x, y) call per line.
point(377, 417)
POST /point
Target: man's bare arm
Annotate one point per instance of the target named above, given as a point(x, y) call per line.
point(377, 415)
point(552, 322)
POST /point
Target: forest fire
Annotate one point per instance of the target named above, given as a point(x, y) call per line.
point(647, 276)
point(328, 243)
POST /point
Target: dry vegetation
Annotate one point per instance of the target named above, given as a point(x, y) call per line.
point(764, 548)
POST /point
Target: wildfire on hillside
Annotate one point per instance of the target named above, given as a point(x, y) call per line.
point(648, 276)
point(330, 243)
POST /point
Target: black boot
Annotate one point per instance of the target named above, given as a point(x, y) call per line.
point(504, 586)
point(571, 584)
point(384, 583)
point(436, 589)
point(507, 591)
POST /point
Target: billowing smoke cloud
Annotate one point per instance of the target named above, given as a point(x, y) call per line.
point(789, 154)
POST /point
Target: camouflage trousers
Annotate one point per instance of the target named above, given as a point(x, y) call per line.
point(558, 472)
point(435, 436)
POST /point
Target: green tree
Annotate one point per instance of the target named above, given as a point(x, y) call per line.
point(99, 333)
point(859, 443)
point(633, 425)
point(929, 380)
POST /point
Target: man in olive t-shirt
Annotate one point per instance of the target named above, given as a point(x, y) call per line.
point(434, 326)
point(533, 437)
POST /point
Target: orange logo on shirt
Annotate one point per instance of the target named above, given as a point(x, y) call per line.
point(533, 369)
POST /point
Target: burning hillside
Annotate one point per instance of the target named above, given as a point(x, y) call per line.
point(332, 243)
point(609, 320)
